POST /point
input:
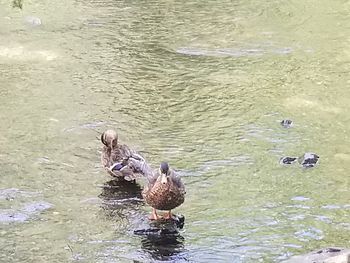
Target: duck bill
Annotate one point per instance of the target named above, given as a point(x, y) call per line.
point(163, 179)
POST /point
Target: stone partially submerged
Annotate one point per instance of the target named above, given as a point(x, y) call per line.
point(307, 160)
point(159, 228)
point(326, 255)
point(288, 160)
point(287, 123)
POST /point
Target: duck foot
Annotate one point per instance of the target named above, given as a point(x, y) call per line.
point(168, 215)
point(154, 215)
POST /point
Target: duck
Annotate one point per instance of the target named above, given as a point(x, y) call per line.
point(119, 160)
point(164, 191)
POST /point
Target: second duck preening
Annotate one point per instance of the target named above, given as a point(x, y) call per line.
point(119, 160)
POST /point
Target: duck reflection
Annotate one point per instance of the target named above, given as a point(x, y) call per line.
point(162, 240)
point(120, 198)
point(165, 248)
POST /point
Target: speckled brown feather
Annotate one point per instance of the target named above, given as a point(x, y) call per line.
point(164, 196)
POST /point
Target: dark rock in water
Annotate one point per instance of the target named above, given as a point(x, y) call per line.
point(288, 160)
point(162, 240)
point(286, 123)
point(163, 227)
point(156, 231)
point(329, 250)
point(327, 255)
point(308, 160)
point(179, 221)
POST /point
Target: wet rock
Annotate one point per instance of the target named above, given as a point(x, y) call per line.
point(163, 227)
point(179, 221)
point(156, 231)
point(287, 123)
point(326, 255)
point(308, 160)
point(288, 160)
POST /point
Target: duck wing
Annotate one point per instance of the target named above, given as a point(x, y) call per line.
point(177, 181)
point(140, 166)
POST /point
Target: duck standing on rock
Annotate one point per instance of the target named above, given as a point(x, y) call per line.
point(165, 191)
point(116, 158)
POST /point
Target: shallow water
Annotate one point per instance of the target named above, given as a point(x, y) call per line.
point(202, 84)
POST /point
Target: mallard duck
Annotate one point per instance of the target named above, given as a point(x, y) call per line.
point(116, 158)
point(164, 191)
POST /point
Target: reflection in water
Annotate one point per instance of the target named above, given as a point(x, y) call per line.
point(164, 247)
point(17, 4)
point(120, 198)
point(162, 241)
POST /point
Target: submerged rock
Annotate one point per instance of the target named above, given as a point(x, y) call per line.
point(163, 227)
point(288, 160)
point(156, 231)
point(308, 160)
point(287, 123)
point(326, 255)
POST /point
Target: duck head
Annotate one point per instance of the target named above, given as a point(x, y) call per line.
point(110, 139)
point(164, 172)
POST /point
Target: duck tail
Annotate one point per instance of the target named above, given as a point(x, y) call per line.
point(140, 165)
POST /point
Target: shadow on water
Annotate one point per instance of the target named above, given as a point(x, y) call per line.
point(120, 198)
point(17, 4)
point(160, 240)
point(164, 248)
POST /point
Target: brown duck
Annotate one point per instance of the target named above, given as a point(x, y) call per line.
point(116, 158)
point(164, 191)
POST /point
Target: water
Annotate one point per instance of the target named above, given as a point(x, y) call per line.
point(203, 85)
